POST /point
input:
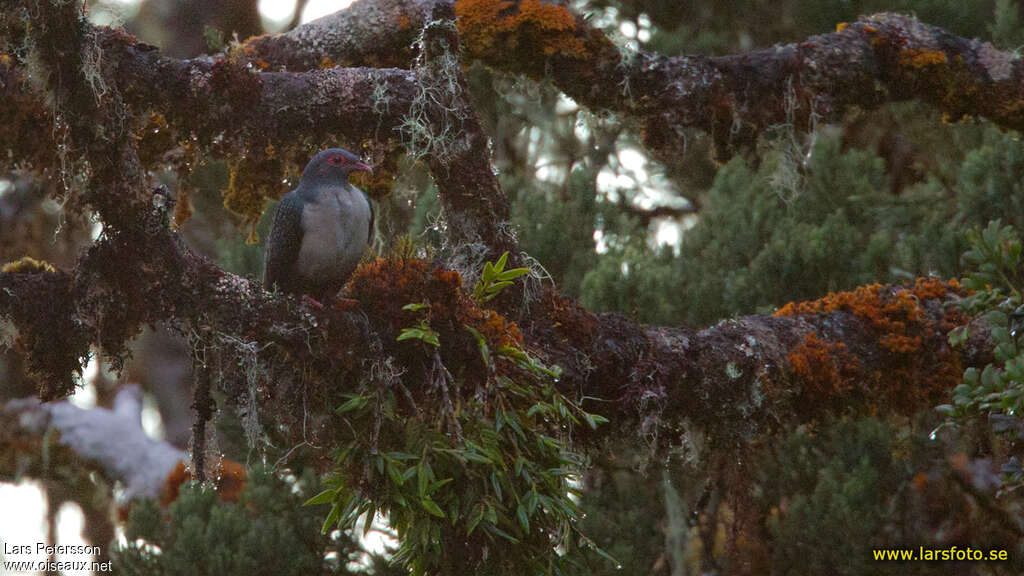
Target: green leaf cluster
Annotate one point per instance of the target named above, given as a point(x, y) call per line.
point(495, 278)
point(996, 275)
point(503, 478)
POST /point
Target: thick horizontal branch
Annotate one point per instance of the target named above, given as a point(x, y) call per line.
point(237, 105)
point(231, 104)
point(227, 107)
point(881, 58)
point(876, 349)
point(124, 283)
point(380, 34)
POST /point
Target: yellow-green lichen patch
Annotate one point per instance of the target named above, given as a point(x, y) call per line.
point(27, 265)
point(154, 139)
point(256, 176)
point(249, 184)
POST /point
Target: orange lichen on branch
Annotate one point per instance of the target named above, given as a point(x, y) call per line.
point(944, 79)
point(933, 288)
point(900, 344)
point(895, 314)
point(916, 367)
point(888, 313)
point(824, 369)
point(496, 29)
point(921, 58)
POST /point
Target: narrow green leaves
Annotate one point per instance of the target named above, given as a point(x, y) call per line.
point(495, 278)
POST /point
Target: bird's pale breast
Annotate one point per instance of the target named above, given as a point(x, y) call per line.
point(335, 228)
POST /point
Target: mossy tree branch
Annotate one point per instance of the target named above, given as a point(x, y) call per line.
point(737, 380)
point(878, 59)
point(879, 348)
point(380, 34)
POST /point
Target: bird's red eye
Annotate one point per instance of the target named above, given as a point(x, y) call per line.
point(336, 160)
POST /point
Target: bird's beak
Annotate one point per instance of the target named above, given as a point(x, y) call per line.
point(360, 167)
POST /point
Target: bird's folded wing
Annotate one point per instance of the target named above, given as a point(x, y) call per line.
point(284, 244)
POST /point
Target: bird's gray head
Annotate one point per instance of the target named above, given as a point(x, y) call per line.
point(333, 165)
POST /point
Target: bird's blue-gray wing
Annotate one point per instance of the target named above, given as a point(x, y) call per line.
point(284, 244)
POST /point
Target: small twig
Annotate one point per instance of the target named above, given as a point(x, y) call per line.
point(203, 405)
point(300, 7)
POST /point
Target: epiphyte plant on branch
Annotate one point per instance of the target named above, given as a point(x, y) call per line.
point(495, 278)
point(464, 470)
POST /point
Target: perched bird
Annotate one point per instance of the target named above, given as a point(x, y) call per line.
point(320, 229)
